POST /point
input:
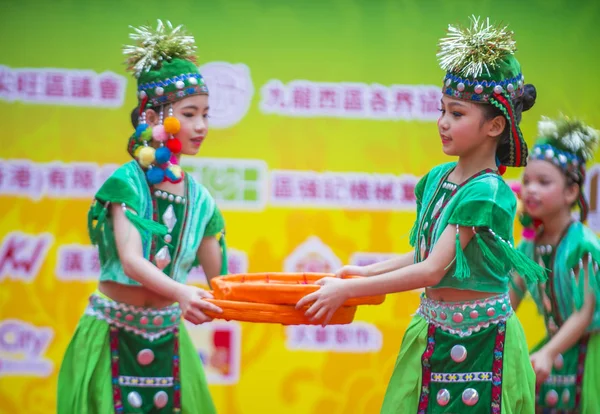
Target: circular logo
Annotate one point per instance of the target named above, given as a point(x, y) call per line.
point(230, 92)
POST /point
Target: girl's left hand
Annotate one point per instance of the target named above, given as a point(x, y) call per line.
point(331, 295)
point(542, 363)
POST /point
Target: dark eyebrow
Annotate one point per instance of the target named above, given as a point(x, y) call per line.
point(190, 106)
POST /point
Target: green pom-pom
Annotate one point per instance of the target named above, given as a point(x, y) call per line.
point(146, 134)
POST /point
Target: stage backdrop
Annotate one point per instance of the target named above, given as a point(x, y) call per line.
point(323, 118)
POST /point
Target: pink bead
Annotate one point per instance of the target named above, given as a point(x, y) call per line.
point(144, 320)
point(528, 233)
point(516, 187)
point(474, 314)
point(129, 317)
point(157, 321)
point(457, 317)
point(159, 134)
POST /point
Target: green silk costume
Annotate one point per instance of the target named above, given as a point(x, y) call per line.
point(574, 382)
point(468, 357)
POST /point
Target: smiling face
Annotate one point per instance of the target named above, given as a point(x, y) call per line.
point(192, 113)
point(545, 191)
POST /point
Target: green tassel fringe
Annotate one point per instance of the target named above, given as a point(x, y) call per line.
point(413, 234)
point(96, 212)
point(523, 265)
point(144, 225)
point(462, 267)
point(224, 262)
point(579, 288)
point(487, 254)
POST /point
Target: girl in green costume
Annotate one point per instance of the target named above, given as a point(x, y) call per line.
point(567, 360)
point(465, 350)
point(152, 223)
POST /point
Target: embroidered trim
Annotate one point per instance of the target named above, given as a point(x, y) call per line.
point(114, 357)
point(442, 314)
point(146, 382)
point(141, 332)
point(169, 81)
point(102, 302)
point(426, 370)
point(461, 377)
point(466, 305)
point(564, 380)
point(176, 374)
point(497, 368)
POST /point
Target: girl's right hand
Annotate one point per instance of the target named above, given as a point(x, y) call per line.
point(350, 270)
point(192, 304)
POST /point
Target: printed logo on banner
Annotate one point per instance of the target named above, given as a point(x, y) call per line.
point(22, 255)
point(235, 184)
point(219, 347)
point(62, 87)
point(77, 262)
point(237, 262)
point(342, 190)
point(312, 256)
point(301, 98)
point(231, 92)
point(54, 179)
point(22, 349)
point(592, 193)
point(356, 337)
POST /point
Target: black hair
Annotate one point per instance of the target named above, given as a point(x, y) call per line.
point(521, 104)
point(135, 115)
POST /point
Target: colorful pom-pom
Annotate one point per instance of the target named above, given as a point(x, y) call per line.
point(163, 154)
point(140, 128)
point(501, 169)
point(146, 134)
point(528, 233)
point(136, 151)
point(526, 220)
point(174, 145)
point(172, 125)
point(155, 175)
point(174, 173)
point(173, 160)
point(159, 134)
point(146, 156)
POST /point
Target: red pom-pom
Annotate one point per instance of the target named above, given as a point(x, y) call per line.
point(501, 169)
point(174, 145)
point(537, 223)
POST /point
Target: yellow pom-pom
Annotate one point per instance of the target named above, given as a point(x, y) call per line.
point(136, 153)
point(146, 156)
point(172, 125)
point(176, 170)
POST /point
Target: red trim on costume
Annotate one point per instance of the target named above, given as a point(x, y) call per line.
point(513, 126)
point(497, 368)
point(114, 352)
point(426, 370)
